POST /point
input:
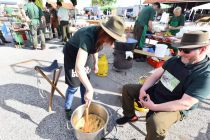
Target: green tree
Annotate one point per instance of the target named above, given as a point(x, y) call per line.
point(103, 2)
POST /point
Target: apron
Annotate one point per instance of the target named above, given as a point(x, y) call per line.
point(71, 77)
point(174, 24)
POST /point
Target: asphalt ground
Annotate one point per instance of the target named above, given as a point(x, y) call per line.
point(24, 111)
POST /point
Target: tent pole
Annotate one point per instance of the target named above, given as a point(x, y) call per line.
point(194, 15)
point(202, 11)
point(186, 5)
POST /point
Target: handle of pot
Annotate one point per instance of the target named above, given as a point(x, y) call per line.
point(107, 131)
point(69, 127)
point(110, 115)
point(109, 112)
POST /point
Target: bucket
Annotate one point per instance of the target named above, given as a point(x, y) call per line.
point(95, 109)
point(160, 50)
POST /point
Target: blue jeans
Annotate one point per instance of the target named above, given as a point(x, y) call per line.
point(70, 95)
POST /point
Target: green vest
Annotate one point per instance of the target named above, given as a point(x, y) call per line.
point(176, 22)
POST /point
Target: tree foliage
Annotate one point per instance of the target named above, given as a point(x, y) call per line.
point(103, 2)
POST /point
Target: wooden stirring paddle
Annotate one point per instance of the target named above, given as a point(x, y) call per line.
point(86, 126)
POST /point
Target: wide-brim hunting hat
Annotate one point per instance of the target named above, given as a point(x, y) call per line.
point(115, 28)
point(193, 39)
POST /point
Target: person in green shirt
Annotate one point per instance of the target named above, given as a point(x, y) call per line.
point(177, 21)
point(173, 89)
point(32, 16)
point(87, 42)
point(144, 23)
point(9, 10)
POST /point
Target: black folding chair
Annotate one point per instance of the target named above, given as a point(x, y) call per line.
point(56, 69)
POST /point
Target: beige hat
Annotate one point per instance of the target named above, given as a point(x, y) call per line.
point(115, 28)
point(193, 39)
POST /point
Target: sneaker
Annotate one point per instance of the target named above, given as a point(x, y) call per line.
point(68, 114)
point(33, 47)
point(125, 119)
point(43, 47)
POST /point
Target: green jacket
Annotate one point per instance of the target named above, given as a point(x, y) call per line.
point(33, 12)
point(146, 15)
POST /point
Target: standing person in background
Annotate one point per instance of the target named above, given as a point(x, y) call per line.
point(41, 28)
point(187, 14)
point(86, 42)
point(47, 16)
point(88, 14)
point(32, 17)
point(177, 21)
point(144, 23)
point(54, 20)
point(63, 20)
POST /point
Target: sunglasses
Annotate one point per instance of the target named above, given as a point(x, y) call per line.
point(187, 51)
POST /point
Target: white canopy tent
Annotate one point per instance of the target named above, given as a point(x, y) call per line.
point(200, 7)
point(204, 6)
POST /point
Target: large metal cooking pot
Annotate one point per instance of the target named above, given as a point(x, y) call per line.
point(120, 62)
point(96, 109)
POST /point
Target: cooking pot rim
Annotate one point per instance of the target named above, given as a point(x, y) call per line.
point(129, 40)
point(107, 120)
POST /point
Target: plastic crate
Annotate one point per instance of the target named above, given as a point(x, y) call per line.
point(154, 63)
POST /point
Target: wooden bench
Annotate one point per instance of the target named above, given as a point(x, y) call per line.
point(151, 54)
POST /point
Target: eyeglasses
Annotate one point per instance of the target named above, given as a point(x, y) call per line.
point(187, 51)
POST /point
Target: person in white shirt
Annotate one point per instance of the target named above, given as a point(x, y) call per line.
point(63, 19)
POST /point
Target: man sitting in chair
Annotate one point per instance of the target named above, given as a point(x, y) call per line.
point(174, 89)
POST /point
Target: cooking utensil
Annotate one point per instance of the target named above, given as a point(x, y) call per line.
point(86, 126)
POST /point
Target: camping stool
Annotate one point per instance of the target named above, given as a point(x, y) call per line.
point(56, 74)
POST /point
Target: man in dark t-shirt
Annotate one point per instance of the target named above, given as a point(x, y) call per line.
point(174, 89)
